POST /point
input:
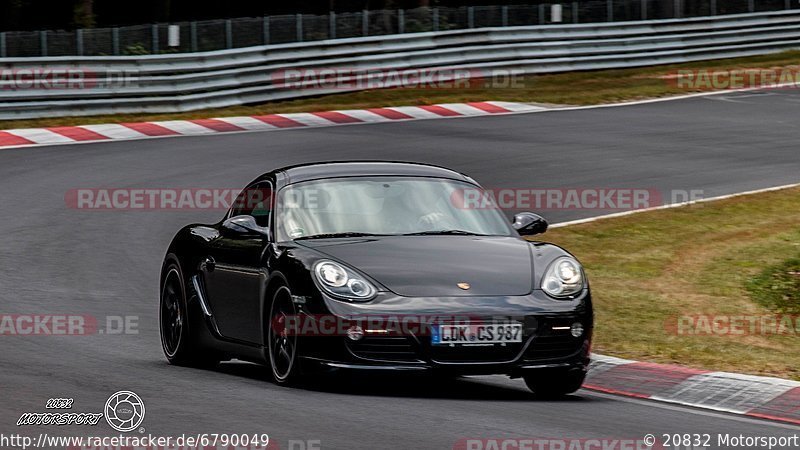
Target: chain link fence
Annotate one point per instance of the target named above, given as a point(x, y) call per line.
point(188, 37)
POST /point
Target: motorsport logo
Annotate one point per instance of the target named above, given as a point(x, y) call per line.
point(124, 411)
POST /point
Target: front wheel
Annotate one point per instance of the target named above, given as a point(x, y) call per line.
point(176, 341)
point(282, 344)
point(556, 383)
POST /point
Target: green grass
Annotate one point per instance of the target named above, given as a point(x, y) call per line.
point(778, 287)
point(573, 88)
point(731, 257)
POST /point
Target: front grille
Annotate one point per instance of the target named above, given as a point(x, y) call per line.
point(478, 354)
point(385, 348)
point(553, 346)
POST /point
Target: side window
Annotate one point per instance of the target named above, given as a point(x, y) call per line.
point(256, 201)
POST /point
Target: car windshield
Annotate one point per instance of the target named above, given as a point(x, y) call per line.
point(363, 206)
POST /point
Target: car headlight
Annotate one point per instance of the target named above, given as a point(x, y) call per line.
point(563, 278)
point(341, 282)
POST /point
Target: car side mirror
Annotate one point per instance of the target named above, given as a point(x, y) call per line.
point(244, 224)
point(529, 224)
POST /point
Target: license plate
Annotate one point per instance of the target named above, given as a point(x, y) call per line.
point(476, 334)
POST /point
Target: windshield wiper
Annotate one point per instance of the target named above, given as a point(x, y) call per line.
point(444, 233)
point(347, 234)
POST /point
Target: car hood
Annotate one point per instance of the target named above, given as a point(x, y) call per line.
point(433, 266)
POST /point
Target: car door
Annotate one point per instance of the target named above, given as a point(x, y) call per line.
point(233, 271)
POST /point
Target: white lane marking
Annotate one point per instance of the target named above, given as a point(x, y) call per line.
point(185, 127)
point(415, 112)
point(364, 115)
point(114, 131)
point(308, 119)
point(40, 136)
point(671, 205)
point(464, 109)
point(724, 391)
point(518, 107)
point(247, 123)
point(691, 410)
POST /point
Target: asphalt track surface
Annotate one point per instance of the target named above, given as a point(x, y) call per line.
point(56, 259)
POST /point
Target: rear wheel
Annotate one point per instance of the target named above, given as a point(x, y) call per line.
point(176, 341)
point(281, 344)
point(554, 383)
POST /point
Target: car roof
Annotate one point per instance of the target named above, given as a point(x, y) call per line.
point(316, 171)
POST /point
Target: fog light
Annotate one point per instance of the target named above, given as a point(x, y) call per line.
point(577, 329)
point(355, 333)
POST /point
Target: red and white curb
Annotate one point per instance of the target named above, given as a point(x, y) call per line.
point(144, 130)
point(764, 397)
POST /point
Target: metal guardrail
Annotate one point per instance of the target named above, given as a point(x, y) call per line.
point(185, 82)
point(185, 37)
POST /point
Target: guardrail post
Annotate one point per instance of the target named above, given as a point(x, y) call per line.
point(228, 34)
point(265, 30)
point(751, 5)
point(609, 10)
point(556, 13)
point(365, 23)
point(43, 43)
point(504, 15)
point(541, 14)
point(298, 24)
point(471, 17)
point(115, 41)
point(644, 9)
point(193, 36)
point(574, 12)
point(79, 41)
point(332, 25)
point(3, 44)
point(401, 21)
point(435, 19)
point(154, 32)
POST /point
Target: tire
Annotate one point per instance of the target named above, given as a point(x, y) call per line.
point(177, 342)
point(554, 384)
point(282, 346)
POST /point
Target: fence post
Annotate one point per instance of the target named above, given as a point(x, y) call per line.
point(435, 19)
point(541, 14)
point(115, 41)
point(504, 15)
point(228, 34)
point(609, 10)
point(3, 44)
point(265, 30)
point(365, 23)
point(154, 31)
point(79, 41)
point(574, 12)
point(193, 36)
point(401, 21)
point(677, 4)
point(713, 7)
point(788, 4)
point(644, 9)
point(332, 25)
point(470, 17)
point(298, 23)
point(43, 43)
point(751, 5)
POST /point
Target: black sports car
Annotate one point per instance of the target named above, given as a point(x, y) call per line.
point(376, 266)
